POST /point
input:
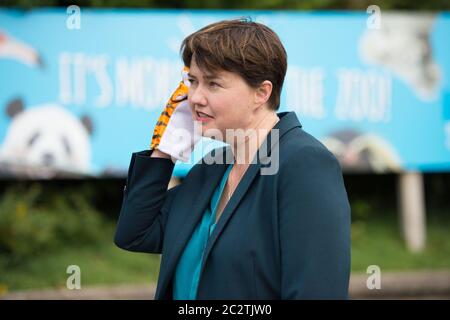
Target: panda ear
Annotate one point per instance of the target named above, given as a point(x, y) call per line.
point(87, 123)
point(14, 107)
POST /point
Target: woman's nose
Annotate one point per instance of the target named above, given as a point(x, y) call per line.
point(196, 97)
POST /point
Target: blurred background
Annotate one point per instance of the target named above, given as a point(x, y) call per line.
point(83, 83)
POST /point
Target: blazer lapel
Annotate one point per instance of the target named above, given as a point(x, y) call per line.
point(229, 209)
point(213, 173)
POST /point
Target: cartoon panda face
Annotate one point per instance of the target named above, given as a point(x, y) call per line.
point(47, 136)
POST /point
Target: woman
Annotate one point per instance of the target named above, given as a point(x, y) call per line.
point(269, 217)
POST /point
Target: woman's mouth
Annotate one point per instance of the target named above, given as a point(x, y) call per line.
point(202, 116)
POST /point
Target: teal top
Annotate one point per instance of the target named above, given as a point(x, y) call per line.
point(187, 273)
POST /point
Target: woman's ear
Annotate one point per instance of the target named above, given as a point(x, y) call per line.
point(263, 92)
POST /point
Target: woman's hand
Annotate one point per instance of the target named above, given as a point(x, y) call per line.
point(175, 133)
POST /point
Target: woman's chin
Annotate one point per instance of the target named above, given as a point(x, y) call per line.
point(212, 133)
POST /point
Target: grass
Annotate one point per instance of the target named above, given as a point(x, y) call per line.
point(104, 264)
point(375, 241)
point(378, 241)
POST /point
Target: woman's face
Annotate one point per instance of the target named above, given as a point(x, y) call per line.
point(220, 101)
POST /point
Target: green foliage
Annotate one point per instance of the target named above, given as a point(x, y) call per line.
point(382, 244)
point(31, 224)
point(104, 264)
point(361, 210)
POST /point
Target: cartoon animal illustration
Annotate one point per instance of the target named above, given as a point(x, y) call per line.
point(402, 45)
point(12, 48)
point(45, 141)
point(361, 152)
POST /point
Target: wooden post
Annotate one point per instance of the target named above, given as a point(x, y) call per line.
point(412, 210)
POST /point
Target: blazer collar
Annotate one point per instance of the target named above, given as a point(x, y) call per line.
point(201, 199)
point(288, 121)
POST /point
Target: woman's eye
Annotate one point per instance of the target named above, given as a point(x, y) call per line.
point(192, 81)
point(214, 84)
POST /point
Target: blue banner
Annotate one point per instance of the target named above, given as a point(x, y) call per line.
point(82, 90)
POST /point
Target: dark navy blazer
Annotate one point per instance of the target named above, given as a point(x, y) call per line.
point(281, 236)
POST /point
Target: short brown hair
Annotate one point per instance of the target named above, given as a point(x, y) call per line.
point(242, 46)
